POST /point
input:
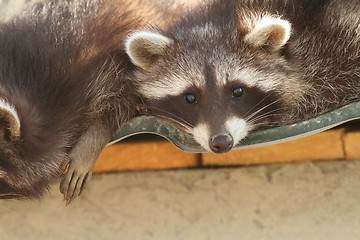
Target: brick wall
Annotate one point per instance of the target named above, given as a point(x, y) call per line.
point(342, 143)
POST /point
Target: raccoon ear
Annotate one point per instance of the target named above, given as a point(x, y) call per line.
point(9, 122)
point(144, 47)
point(270, 33)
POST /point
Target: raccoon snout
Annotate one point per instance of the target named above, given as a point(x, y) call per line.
point(221, 143)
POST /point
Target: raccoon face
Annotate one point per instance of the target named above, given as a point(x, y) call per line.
point(219, 90)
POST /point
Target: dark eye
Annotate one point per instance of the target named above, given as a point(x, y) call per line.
point(237, 92)
point(190, 98)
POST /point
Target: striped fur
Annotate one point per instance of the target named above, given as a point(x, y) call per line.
point(63, 82)
point(293, 59)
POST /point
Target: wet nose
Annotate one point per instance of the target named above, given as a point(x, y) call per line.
point(221, 143)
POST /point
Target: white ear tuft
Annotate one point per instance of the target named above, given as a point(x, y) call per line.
point(144, 47)
point(271, 33)
point(9, 121)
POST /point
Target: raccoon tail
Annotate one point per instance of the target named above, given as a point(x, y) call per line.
point(9, 132)
point(9, 122)
point(30, 157)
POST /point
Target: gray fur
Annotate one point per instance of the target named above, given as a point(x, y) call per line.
point(314, 71)
point(64, 71)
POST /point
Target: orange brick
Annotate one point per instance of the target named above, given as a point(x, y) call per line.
point(352, 145)
point(144, 155)
point(322, 146)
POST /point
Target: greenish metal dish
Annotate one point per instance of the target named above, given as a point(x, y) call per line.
point(186, 142)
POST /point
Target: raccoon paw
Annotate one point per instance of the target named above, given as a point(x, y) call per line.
point(74, 181)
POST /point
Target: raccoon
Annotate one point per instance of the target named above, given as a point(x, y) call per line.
point(63, 90)
point(227, 69)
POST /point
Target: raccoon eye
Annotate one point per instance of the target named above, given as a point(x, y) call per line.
point(237, 92)
point(190, 98)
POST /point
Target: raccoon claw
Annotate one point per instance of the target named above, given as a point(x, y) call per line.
point(73, 183)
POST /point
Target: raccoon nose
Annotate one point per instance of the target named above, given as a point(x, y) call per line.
point(221, 143)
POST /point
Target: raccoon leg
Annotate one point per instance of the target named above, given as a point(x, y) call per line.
point(83, 157)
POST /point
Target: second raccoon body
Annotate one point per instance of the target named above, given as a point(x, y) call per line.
point(63, 90)
point(229, 68)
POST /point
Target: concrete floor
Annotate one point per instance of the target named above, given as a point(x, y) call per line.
point(311, 201)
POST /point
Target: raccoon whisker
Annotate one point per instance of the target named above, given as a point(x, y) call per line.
point(262, 117)
point(262, 100)
point(266, 125)
point(187, 127)
point(175, 121)
point(261, 109)
point(265, 115)
point(255, 122)
point(173, 115)
point(174, 118)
